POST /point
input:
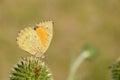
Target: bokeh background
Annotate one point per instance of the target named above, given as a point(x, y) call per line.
point(76, 23)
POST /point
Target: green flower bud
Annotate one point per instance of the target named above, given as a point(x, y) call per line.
point(89, 50)
point(30, 68)
point(115, 70)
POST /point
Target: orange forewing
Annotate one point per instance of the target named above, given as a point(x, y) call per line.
point(42, 35)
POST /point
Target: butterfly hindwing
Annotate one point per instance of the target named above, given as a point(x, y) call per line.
point(27, 40)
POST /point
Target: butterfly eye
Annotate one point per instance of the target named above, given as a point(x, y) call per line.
point(35, 27)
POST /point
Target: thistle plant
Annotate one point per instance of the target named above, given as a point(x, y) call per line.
point(115, 70)
point(30, 68)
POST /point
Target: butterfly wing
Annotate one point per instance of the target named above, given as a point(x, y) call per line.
point(28, 40)
point(36, 40)
point(45, 32)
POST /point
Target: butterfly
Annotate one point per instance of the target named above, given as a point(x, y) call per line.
point(36, 40)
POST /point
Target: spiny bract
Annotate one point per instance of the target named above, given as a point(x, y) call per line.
point(30, 68)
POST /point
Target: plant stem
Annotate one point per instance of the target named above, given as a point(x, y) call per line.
point(76, 64)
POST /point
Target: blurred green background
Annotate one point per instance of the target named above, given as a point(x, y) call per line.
point(76, 23)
